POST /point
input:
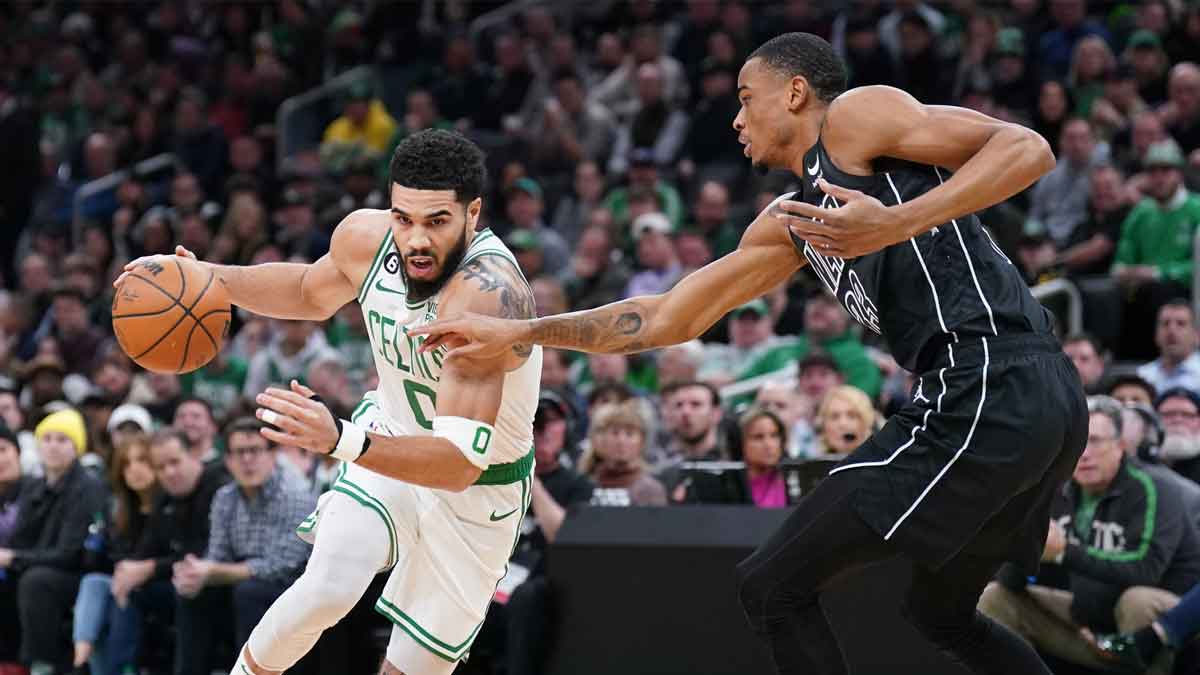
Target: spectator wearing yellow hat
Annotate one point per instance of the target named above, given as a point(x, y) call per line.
point(44, 562)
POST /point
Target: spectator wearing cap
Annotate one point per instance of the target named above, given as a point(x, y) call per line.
point(129, 421)
point(818, 374)
point(364, 127)
point(1070, 25)
point(45, 554)
point(1144, 51)
point(12, 484)
point(1154, 254)
point(653, 122)
point(751, 335)
point(710, 152)
point(1060, 198)
point(1178, 341)
point(1120, 550)
point(78, 340)
point(827, 329)
point(526, 246)
point(1179, 410)
point(524, 210)
point(1130, 389)
point(656, 256)
point(644, 176)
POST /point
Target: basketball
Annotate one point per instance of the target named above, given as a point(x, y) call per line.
point(171, 315)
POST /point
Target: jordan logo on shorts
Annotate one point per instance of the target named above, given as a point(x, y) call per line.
point(920, 395)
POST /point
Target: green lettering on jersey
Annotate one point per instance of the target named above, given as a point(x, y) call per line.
point(413, 390)
point(483, 438)
point(388, 337)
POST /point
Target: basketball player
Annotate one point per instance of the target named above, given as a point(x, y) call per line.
point(960, 479)
point(456, 432)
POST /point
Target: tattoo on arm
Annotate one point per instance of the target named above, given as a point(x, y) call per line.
point(516, 298)
point(613, 329)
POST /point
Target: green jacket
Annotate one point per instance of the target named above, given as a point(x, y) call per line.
point(1162, 237)
point(849, 354)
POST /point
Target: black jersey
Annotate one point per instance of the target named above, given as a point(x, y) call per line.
point(945, 285)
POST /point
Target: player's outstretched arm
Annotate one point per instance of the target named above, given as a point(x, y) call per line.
point(991, 160)
point(312, 291)
point(764, 259)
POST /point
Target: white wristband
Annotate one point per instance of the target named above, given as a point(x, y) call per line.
point(351, 443)
point(472, 437)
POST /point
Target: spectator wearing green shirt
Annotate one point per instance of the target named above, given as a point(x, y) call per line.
point(643, 174)
point(826, 327)
point(1154, 254)
point(220, 382)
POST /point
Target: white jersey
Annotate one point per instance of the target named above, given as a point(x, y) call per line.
point(408, 380)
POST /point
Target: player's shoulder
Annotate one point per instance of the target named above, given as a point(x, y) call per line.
point(865, 107)
point(360, 233)
point(492, 285)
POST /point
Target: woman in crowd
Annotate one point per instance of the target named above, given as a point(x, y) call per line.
point(96, 610)
point(844, 420)
point(615, 461)
point(764, 436)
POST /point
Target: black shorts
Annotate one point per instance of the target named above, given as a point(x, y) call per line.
point(973, 461)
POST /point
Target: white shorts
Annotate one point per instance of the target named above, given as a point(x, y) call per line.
point(447, 550)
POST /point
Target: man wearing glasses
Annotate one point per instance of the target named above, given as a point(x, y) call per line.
point(251, 545)
point(1120, 551)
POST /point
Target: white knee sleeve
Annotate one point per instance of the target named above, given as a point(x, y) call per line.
point(410, 658)
point(352, 544)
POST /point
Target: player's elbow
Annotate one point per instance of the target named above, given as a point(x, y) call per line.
point(462, 477)
point(1038, 151)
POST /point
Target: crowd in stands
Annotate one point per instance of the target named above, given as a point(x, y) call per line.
point(145, 524)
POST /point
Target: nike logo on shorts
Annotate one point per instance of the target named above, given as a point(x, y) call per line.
point(495, 517)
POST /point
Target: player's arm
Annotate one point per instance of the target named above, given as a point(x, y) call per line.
point(764, 259)
point(313, 291)
point(468, 397)
point(991, 161)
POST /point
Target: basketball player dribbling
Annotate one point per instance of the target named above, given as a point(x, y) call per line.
point(438, 460)
point(960, 479)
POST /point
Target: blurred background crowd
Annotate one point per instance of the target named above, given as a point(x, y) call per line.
point(247, 131)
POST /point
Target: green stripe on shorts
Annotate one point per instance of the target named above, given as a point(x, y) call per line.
point(438, 648)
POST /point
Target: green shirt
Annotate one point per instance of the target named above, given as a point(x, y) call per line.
point(669, 201)
point(849, 354)
point(221, 390)
point(1158, 235)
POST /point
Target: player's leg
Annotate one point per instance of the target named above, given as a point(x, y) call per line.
point(353, 543)
point(942, 607)
point(406, 657)
point(779, 584)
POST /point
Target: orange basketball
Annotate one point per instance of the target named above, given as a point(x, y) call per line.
point(171, 315)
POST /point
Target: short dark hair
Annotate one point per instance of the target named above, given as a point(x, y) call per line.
point(245, 425)
point(688, 384)
point(1084, 336)
point(167, 434)
point(808, 56)
point(1178, 303)
point(195, 399)
point(437, 159)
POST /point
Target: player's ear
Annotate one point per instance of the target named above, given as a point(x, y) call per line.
point(473, 211)
point(798, 93)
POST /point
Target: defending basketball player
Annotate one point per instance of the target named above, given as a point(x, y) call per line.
point(960, 479)
point(438, 459)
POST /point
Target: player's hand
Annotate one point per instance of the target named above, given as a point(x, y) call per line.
point(301, 421)
point(861, 225)
point(475, 336)
point(132, 265)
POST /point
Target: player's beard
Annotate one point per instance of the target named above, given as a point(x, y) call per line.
point(1177, 447)
point(420, 291)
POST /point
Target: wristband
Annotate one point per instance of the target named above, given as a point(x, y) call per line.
point(353, 441)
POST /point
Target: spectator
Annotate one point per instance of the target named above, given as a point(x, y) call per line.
point(365, 127)
point(251, 545)
point(96, 612)
point(691, 412)
point(1154, 255)
point(574, 211)
point(1125, 557)
point(615, 460)
point(1070, 26)
point(598, 273)
point(1113, 112)
point(868, 59)
point(504, 99)
point(1146, 129)
point(827, 328)
point(347, 333)
point(1178, 340)
point(679, 363)
point(795, 410)
point(1092, 245)
point(12, 485)
point(710, 152)
point(711, 218)
point(751, 334)
point(1088, 356)
point(295, 345)
point(570, 130)
point(526, 246)
point(1145, 53)
point(1060, 198)
point(1052, 112)
point(1179, 409)
point(1091, 61)
point(194, 417)
point(652, 122)
point(1132, 390)
point(644, 177)
point(655, 255)
point(923, 72)
point(44, 558)
point(524, 209)
point(1013, 85)
point(1181, 113)
point(818, 374)
point(219, 382)
point(199, 144)
point(618, 91)
point(845, 419)
point(177, 526)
